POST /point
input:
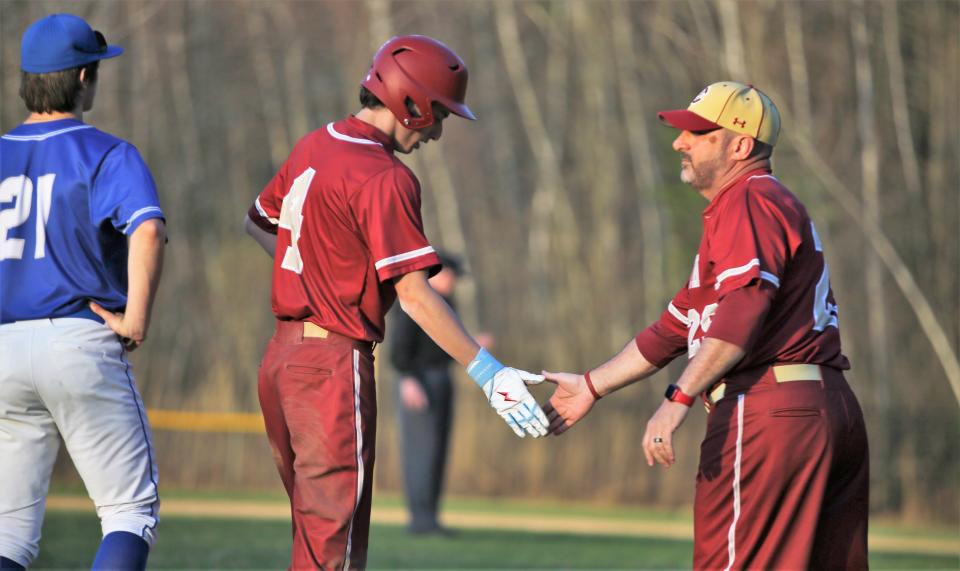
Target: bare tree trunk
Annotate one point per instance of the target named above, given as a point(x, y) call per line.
point(797, 63)
point(183, 277)
point(600, 174)
point(265, 76)
point(182, 103)
point(898, 93)
point(145, 74)
point(668, 42)
point(555, 24)
point(877, 323)
point(903, 277)
point(919, 241)
point(706, 28)
point(505, 157)
point(733, 53)
point(381, 22)
point(545, 196)
point(594, 138)
point(884, 248)
point(294, 71)
point(944, 53)
point(645, 167)
point(551, 217)
point(506, 160)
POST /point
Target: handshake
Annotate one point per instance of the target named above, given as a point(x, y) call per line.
point(506, 391)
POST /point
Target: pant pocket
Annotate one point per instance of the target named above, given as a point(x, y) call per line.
point(302, 369)
point(789, 412)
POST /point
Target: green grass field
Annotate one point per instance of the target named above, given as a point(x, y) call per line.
point(70, 540)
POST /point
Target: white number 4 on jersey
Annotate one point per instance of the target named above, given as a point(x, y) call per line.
point(291, 218)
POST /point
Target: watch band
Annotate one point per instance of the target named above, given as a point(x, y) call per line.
point(675, 394)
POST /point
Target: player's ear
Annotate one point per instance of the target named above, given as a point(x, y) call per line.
point(742, 147)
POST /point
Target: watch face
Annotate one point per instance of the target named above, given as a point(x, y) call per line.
point(671, 391)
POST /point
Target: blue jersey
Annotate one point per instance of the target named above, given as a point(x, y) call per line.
point(70, 195)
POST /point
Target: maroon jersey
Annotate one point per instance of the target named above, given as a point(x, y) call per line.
point(346, 213)
point(755, 233)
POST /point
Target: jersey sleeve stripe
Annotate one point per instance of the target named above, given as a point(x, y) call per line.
point(736, 271)
point(337, 135)
point(263, 212)
point(770, 278)
point(403, 257)
point(140, 213)
point(676, 313)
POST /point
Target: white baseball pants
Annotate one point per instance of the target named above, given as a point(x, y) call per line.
point(70, 377)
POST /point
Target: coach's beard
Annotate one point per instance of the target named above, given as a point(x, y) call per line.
point(699, 177)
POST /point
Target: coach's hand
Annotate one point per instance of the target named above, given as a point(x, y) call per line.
point(506, 391)
point(570, 402)
point(658, 439)
point(131, 332)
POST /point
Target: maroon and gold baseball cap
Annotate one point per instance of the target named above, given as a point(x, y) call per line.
point(730, 105)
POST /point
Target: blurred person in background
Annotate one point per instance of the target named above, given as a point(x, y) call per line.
point(342, 221)
point(783, 480)
point(81, 251)
point(425, 394)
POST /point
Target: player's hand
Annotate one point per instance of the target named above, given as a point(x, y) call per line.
point(661, 426)
point(131, 334)
point(570, 402)
point(412, 395)
point(508, 395)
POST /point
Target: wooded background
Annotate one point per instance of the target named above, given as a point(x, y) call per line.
point(564, 198)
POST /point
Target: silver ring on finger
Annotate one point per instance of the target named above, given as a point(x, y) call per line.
point(657, 440)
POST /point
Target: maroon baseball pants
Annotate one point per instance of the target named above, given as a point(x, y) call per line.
point(783, 481)
point(320, 409)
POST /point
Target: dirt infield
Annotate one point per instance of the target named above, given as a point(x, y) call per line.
point(272, 510)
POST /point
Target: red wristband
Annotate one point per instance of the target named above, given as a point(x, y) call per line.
point(593, 391)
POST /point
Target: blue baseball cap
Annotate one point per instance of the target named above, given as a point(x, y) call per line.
point(62, 41)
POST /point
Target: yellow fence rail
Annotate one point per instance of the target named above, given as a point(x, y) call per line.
point(182, 421)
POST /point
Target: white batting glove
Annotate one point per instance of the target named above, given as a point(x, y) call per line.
point(506, 391)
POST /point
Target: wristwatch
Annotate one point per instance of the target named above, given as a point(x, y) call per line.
point(674, 394)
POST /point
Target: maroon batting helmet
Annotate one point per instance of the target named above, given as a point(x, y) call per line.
point(422, 70)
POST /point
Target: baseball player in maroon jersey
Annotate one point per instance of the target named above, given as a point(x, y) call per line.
point(783, 475)
point(342, 220)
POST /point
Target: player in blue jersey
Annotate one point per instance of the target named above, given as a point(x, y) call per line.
point(81, 249)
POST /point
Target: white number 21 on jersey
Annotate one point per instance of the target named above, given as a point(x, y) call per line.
point(19, 189)
point(291, 218)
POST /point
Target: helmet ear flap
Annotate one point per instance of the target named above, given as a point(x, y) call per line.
point(419, 112)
